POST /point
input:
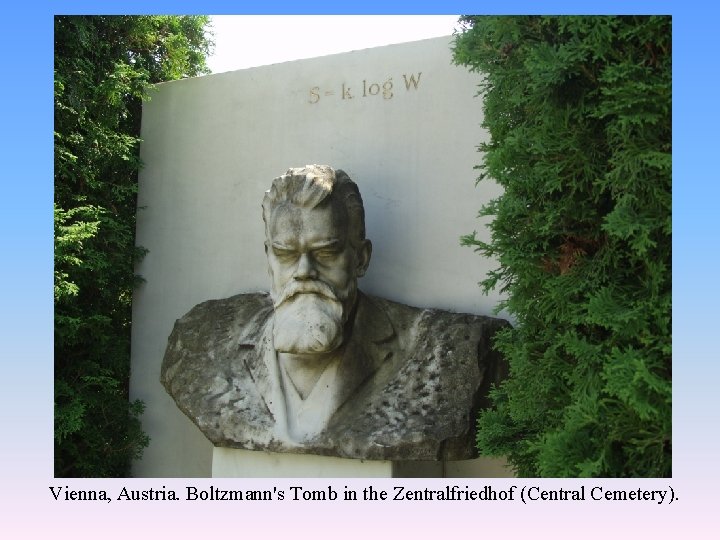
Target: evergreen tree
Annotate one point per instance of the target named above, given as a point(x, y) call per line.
point(579, 115)
point(103, 69)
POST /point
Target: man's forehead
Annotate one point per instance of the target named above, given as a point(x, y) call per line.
point(325, 222)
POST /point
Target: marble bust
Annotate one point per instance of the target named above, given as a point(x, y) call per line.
point(317, 366)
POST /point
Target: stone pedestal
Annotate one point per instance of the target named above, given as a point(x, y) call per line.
point(229, 462)
point(234, 463)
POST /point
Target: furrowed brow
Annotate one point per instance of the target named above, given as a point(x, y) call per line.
point(327, 244)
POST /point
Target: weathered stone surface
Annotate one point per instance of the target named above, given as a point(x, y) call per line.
point(411, 380)
point(318, 367)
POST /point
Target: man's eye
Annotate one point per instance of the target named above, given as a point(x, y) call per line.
point(284, 254)
point(326, 254)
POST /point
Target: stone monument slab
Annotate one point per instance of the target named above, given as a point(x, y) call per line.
point(400, 120)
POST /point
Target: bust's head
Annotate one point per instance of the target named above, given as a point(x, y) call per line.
point(316, 248)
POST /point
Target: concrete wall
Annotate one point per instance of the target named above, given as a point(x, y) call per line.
point(401, 120)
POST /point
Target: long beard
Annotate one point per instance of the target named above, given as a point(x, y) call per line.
point(309, 319)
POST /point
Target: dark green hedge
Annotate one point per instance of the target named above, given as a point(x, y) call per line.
point(579, 114)
point(103, 67)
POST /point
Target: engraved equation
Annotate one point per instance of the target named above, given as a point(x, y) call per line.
point(409, 82)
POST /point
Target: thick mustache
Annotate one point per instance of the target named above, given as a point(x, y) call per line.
point(306, 287)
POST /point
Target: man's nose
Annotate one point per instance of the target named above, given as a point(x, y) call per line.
point(306, 267)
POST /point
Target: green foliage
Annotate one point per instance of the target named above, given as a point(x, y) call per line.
point(103, 69)
point(579, 115)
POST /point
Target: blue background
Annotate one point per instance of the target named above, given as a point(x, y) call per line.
point(26, 279)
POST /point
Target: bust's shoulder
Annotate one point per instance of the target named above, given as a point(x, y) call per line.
point(242, 305)
point(437, 365)
point(435, 322)
point(213, 331)
point(238, 314)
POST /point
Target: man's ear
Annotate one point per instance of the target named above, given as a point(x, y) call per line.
point(364, 253)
